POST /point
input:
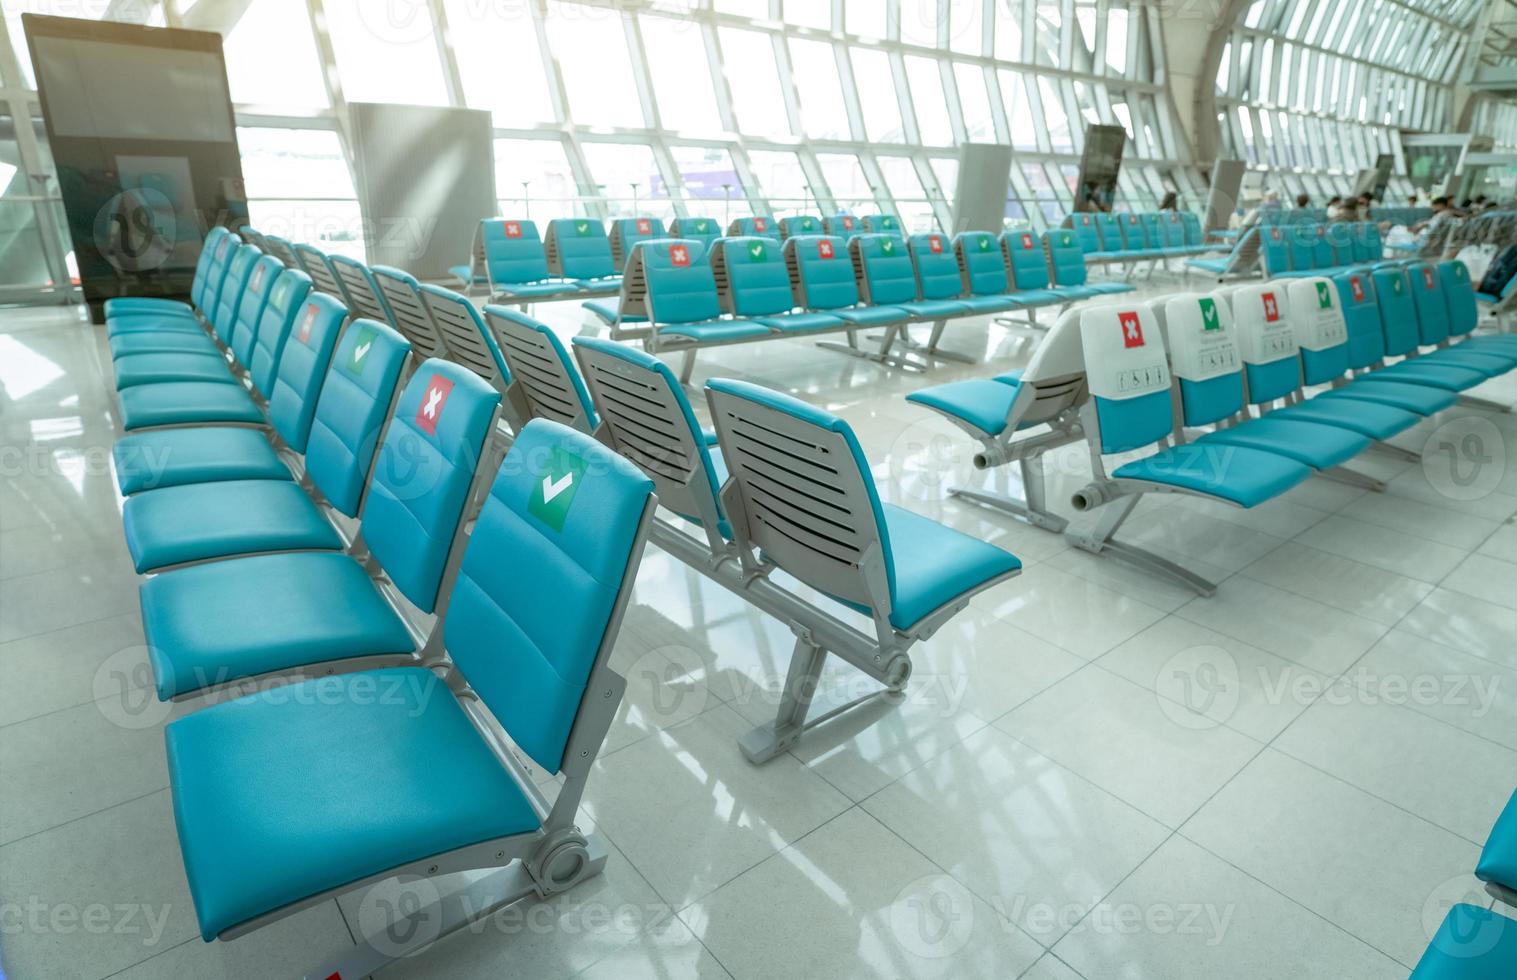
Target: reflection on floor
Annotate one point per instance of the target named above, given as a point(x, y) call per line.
point(1093, 774)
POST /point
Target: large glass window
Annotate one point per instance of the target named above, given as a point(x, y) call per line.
point(499, 61)
point(386, 52)
point(274, 25)
point(877, 97)
point(533, 180)
point(681, 79)
point(823, 112)
point(845, 179)
point(929, 102)
point(628, 179)
point(782, 181)
point(590, 44)
point(755, 82)
point(710, 183)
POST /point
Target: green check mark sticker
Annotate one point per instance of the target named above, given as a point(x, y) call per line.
point(757, 252)
point(554, 488)
point(361, 350)
point(1324, 298)
point(1209, 318)
point(582, 227)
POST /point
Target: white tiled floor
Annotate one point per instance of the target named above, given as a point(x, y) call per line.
point(1095, 774)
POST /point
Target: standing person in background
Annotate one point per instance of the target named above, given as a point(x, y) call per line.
point(1171, 202)
point(1303, 201)
point(1333, 204)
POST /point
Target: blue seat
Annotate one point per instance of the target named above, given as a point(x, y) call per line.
point(1067, 260)
point(175, 525)
point(929, 569)
point(1029, 269)
point(983, 403)
point(1498, 859)
point(210, 269)
point(464, 333)
point(515, 263)
point(163, 366)
point(703, 230)
point(1399, 325)
point(797, 225)
point(186, 402)
point(680, 295)
point(542, 375)
point(827, 284)
point(759, 224)
point(408, 777)
point(221, 314)
point(578, 249)
point(843, 226)
point(755, 283)
point(1248, 478)
point(627, 232)
point(172, 457)
point(418, 496)
point(1472, 943)
point(939, 280)
point(982, 269)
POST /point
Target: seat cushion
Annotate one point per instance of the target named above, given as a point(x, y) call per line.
point(182, 402)
point(283, 608)
point(1218, 266)
point(800, 322)
point(979, 402)
point(162, 342)
point(607, 312)
point(997, 303)
point(1319, 446)
point(118, 326)
point(145, 304)
point(1366, 418)
point(1111, 288)
point(1472, 944)
point(934, 564)
point(1498, 861)
point(536, 290)
point(1422, 399)
point(173, 525)
point(143, 369)
point(1419, 371)
point(608, 284)
point(1493, 361)
point(174, 457)
point(1071, 293)
point(935, 309)
point(403, 775)
point(716, 331)
point(1240, 475)
point(872, 316)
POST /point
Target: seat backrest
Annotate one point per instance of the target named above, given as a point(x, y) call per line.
point(356, 395)
point(1193, 233)
point(408, 312)
point(800, 224)
point(627, 232)
point(680, 286)
point(803, 482)
point(883, 269)
point(647, 418)
point(422, 476)
point(1427, 297)
point(303, 367)
point(229, 300)
point(578, 248)
point(1361, 315)
point(216, 271)
point(1459, 294)
point(982, 265)
point(203, 263)
point(1340, 241)
point(541, 371)
point(882, 223)
point(1153, 229)
point(1323, 255)
point(1110, 231)
point(751, 276)
point(1321, 333)
point(513, 252)
point(759, 224)
point(255, 295)
point(252, 236)
point(1274, 250)
point(1128, 376)
point(843, 226)
point(1301, 244)
point(821, 271)
point(1398, 310)
point(1203, 356)
point(1271, 363)
point(1374, 245)
point(530, 635)
point(315, 263)
point(360, 292)
point(1055, 374)
point(467, 338)
point(1134, 232)
point(1025, 260)
point(1172, 229)
point(937, 270)
point(696, 229)
point(285, 297)
point(1083, 225)
point(1065, 257)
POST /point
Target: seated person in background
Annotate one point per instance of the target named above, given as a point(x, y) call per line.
point(1171, 202)
point(1333, 204)
point(1346, 211)
point(1270, 205)
point(1303, 201)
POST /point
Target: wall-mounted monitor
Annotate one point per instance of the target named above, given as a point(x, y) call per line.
point(1099, 166)
point(140, 124)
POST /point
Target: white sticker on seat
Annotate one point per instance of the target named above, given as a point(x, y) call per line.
point(1261, 318)
point(1316, 317)
point(1124, 352)
point(1201, 341)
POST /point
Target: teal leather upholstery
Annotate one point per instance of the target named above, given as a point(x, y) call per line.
point(627, 232)
point(153, 368)
point(1472, 943)
point(797, 225)
point(843, 226)
point(174, 525)
point(760, 224)
point(703, 230)
point(983, 273)
point(173, 457)
point(882, 222)
point(758, 282)
point(1066, 258)
point(939, 281)
point(352, 408)
point(423, 472)
point(681, 288)
point(293, 610)
point(526, 633)
point(584, 251)
point(1498, 860)
point(303, 365)
point(403, 776)
point(827, 280)
point(981, 402)
point(513, 252)
point(1243, 476)
point(250, 309)
point(1029, 267)
point(183, 402)
point(1306, 441)
point(285, 300)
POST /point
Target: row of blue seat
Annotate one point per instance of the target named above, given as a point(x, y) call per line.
point(1299, 249)
point(1107, 237)
point(413, 778)
point(1307, 333)
point(1475, 942)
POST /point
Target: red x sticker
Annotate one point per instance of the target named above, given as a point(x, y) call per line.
point(432, 402)
point(1321, 231)
point(1132, 329)
point(1084, 219)
point(1132, 219)
point(935, 244)
point(847, 222)
point(513, 229)
point(1275, 234)
point(824, 249)
point(1427, 276)
point(1358, 289)
point(1027, 242)
point(1271, 308)
point(679, 256)
point(644, 226)
point(305, 323)
point(760, 224)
